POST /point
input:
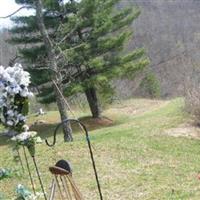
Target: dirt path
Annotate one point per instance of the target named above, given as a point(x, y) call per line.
point(188, 130)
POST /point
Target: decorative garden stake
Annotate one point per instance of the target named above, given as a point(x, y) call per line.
point(20, 159)
point(29, 171)
point(29, 139)
point(40, 180)
point(89, 146)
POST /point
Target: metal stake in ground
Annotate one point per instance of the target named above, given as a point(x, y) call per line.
point(20, 159)
point(40, 180)
point(29, 171)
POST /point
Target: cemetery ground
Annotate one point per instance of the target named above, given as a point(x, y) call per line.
point(136, 152)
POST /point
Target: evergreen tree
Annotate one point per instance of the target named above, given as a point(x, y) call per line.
point(96, 47)
point(40, 51)
point(92, 35)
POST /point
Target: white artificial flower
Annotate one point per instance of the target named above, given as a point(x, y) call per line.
point(19, 186)
point(21, 117)
point(2, 102)
point(6, 77)
point(10, 113)
point(38, 140)
point(30, 94)
point(10, 123)
point(24, 92)
point(25, 127)
point(16, 89)
point(13, 80)
point(24, 136)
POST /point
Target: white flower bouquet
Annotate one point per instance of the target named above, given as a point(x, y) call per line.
point(14, 94)
point(28, 139)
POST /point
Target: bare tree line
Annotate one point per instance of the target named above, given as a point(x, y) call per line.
point(169, 30)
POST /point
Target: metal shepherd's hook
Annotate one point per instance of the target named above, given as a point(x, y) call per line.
point(89, 146)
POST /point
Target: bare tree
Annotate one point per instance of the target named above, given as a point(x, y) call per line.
point(56, 75)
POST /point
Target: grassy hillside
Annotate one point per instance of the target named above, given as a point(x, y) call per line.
point(135, 158)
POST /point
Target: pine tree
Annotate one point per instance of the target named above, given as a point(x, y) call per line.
point(32, 31)
point(26, 35)
point(97, 48)
point(93, 35)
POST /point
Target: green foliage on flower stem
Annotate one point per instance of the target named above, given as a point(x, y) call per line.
point(22, 104)
point(5, 173)
point(23, 193)
point(25, 108)
point(95, 49)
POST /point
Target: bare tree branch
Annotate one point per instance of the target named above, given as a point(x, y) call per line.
point(10, 15)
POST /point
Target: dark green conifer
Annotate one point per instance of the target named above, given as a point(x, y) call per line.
point(92, 35)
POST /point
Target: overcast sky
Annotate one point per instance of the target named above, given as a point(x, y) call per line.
point(7, 7)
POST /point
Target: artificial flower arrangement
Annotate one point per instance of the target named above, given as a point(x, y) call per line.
point(28, 139)
point(14, 94)
point(24, 194)
point(5, 173)
point(14, 105)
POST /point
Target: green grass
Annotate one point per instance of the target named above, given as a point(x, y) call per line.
point(135, 159)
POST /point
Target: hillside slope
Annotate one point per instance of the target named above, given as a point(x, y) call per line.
point(135, 158)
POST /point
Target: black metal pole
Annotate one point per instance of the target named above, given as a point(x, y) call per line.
point(20, 159)
point(29, 171)
point(40, 180)
point(89, 146)
point(94, 167)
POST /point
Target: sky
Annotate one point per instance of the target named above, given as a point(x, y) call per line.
point(7, 7)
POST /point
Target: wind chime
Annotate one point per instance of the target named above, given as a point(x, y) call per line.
point(63, 180)
point(63, 174)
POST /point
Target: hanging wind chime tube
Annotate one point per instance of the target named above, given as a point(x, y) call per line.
point(89, 146)
point(63, 180)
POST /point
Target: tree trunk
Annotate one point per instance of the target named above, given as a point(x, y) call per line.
point(56, 76)
point(93, 102)
point(63, 114)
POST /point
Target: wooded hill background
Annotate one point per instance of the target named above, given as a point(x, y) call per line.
point(169, 31)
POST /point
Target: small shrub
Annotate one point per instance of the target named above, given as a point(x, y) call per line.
point(192, 101)
point(151, 85)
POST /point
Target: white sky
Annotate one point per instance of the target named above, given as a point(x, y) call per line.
point(7, 7)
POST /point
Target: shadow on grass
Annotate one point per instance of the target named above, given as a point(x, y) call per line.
point(4, 140)
point(46, 130)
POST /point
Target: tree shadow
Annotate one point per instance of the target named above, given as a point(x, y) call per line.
point(46, 130)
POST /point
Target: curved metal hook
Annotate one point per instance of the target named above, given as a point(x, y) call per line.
point(61, 124)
